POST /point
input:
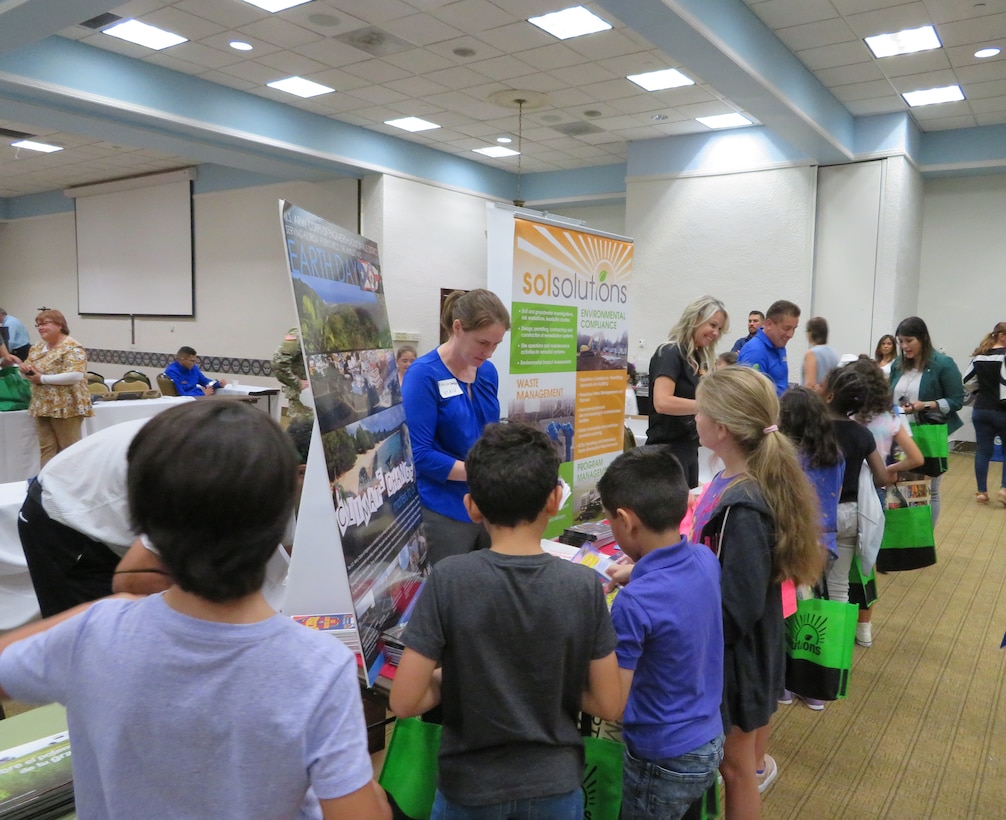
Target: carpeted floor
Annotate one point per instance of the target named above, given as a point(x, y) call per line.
point(923, 731)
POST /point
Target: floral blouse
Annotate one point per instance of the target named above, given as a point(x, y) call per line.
point(59, 401)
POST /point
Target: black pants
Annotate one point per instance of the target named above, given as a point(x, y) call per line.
point(67, 568)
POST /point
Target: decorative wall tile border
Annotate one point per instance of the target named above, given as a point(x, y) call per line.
point(209, 364)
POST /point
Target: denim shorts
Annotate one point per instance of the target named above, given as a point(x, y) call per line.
point(567, 806)
point(666, 788)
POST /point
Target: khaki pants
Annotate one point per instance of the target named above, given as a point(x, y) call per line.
point(55, 435)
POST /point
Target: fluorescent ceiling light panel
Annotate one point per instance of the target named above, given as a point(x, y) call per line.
point(932, 96)
point(240, 45)
point(659, 80)
point(31, 145)
point(724, 121)
point(904, 42)
point(991, 51)
point(300, 87)
point(144, 35)
point(496, 151)
point(275, 5)
point(412, 124)
point(571, 22)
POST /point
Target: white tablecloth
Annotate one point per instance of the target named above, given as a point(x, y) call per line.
point(18, 604)
point(19, 459)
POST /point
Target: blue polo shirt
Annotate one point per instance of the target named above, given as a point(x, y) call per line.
point(765, 357)
point(669, 624)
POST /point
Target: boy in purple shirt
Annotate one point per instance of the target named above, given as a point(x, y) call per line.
point(670, 638)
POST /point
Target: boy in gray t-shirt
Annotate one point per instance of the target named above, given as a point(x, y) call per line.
point(524, 639)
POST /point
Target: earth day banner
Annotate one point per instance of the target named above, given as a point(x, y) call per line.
point(377, 539)
point(565, 368)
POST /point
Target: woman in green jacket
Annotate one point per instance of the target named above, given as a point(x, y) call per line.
point(924, 380)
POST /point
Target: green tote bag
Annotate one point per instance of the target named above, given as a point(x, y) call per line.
point(933, 441)
point(908, 539)
point(409, 774)
point(819, 640)
point(15, 390)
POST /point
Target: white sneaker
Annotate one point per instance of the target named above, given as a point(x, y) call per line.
point(768, 775)
point(864, 634)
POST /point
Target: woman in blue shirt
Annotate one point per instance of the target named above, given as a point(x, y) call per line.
point(450, 395)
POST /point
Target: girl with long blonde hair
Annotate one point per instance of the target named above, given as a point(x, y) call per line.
point(761, 516)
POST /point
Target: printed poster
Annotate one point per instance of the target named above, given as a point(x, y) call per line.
point(346, 337)
point(568, 351)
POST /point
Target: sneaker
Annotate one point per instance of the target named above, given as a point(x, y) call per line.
point(864, 634)
point(812, 703)
point(767, 775)
point(786, 699)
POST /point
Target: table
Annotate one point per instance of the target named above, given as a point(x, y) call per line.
point(18, 604)
point(19, 457)
point(270, 394)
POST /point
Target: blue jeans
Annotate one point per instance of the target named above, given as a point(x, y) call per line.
point(555, 807)
point(666, 788)
point(988, 425)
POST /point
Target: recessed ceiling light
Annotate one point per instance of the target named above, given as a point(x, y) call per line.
point(571, 22)
point(659, 80)
point(931, 96)
point(300, 87)
point(659, 117)
point(504, 140)
point(464, 52)
point(724, 121)
point(276, 5)
point(144, 35)
point(496, 151)
point(31, 145)
point(412, 124)
point(991, 51)
point(240, 45)
point(904, 42)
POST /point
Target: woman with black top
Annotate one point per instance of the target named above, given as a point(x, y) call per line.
point(989, 413)
point(675, 369)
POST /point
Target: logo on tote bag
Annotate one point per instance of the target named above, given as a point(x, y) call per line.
point(807, 633)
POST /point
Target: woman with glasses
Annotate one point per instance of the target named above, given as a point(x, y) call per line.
point(926, 385)
point(56, 368)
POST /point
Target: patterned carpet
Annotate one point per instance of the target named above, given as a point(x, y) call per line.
point(923, 731)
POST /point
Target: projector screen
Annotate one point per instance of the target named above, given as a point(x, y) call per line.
point(134, 246)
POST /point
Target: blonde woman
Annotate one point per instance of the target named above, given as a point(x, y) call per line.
point(675, 369)
point(760, 515)
point(56, 368)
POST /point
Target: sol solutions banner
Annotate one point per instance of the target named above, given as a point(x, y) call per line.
point(565, 367)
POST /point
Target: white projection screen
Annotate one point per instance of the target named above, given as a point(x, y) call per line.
point(134, 246)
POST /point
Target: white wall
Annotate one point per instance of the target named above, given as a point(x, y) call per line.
point(429, 238)
point(244, 302)
point(745, 238)
point(609, 218)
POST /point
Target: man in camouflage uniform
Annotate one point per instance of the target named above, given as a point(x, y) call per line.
point(288, 367)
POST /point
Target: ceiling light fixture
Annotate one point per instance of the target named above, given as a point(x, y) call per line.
point(985, 53)
point(932, 96)
point(908, 41)
point(240, 45)
point(274, 6)
point(495, 151)
point(724, 121)
point(300, 87)
point(412, 124)
point(32, 145)
point(143, 34)
point(659, 80)
point(572, 22)
point(504, 140)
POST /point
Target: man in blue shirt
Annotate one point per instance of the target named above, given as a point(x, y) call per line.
point(188, 378)
point(766, 352)
point(18, 340)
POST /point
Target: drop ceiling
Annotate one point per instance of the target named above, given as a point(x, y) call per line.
point(450, 62)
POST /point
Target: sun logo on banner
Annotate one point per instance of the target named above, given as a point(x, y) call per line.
point(806, 632)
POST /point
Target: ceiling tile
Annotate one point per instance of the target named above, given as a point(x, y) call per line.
point(473, 16)
point(778, 13)
point(280, 33)
point(879, 105)
point(921, 63)
point(822, 33)
point(975, 31)
point(547, 58)
point(182, 23)
point(836, 55)
point(418, 61)
point(376, 11)
point(376, 71)
point(416, 87)
point(917, 82)
point(292, 64)
point(515, 37)
point(584, 73)
point(862, 91)
point(846, 74)
point(602, 45)
point(501, 68)
point(457, 77)
point(228, 15)
point(422, 29)
point(891, 19)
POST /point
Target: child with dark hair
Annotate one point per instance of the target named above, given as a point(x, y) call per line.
point(670, 638)
point(187, 377)
point(171, 677)
point(525, 641)
point(846, 393)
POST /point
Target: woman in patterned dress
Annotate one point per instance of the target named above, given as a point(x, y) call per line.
point(56, 368)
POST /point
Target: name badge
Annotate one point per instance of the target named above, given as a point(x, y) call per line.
point(448, 388)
